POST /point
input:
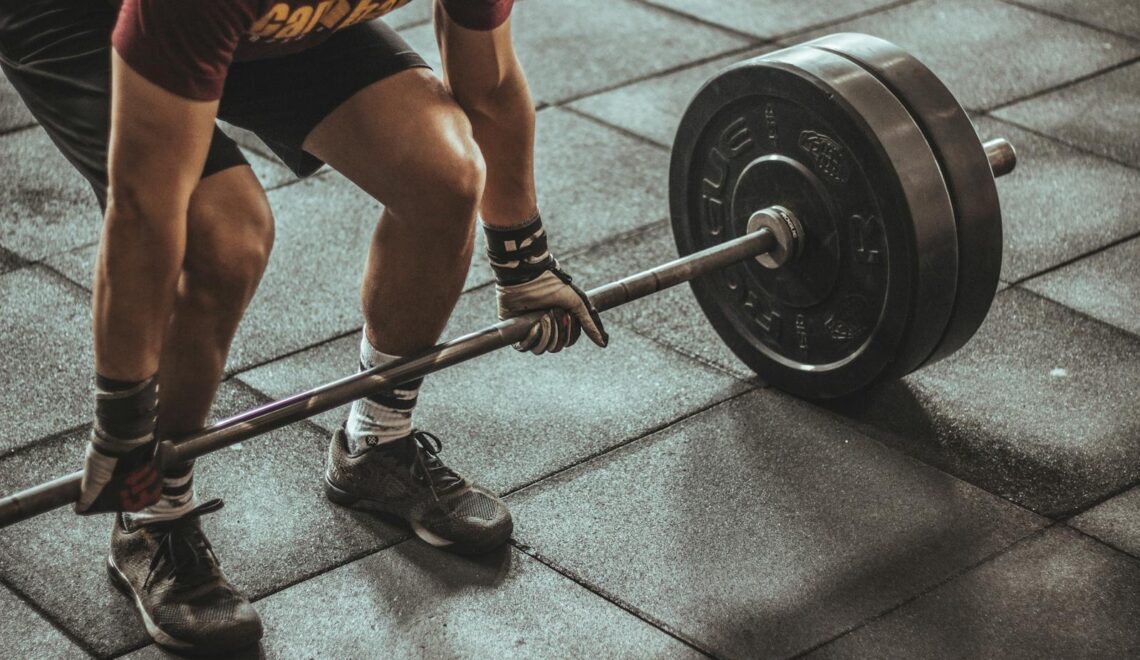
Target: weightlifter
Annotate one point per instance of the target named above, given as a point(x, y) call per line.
point(129, 91)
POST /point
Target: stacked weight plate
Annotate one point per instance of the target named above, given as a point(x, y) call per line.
point(892, 186)
point(969, 180)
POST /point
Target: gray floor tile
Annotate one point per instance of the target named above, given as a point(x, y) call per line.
point(671, 317)
point(1105, 285)
point(570, 49)
point(27, 635)
point(1098, 114)
point(1056, 595)
point(1038, 407)
point(652, 108)
point(45, 205)
point(988, 52)
point(270, 172)
point(1121, 16)
point(77, 265)
point(410, 14)
point(510, 418)
point(593, 182)
point(1059, 203)
point(775, 18)
point(413, 601)
point(46, 377)
point(13, 113)
point(311, 288)
point(9, 261)
point(246, 139)
point(1116, 521)
point(762, 527)
point(277, 528)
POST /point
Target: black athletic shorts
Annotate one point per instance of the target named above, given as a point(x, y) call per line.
point(56, 53)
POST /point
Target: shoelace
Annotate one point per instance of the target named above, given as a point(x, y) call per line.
point(438, 476)
point(183, 549)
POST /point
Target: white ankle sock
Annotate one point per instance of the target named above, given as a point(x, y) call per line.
point(384, 416)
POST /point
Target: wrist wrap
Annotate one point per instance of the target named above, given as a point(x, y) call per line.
point(125, 411)
point(518, 254)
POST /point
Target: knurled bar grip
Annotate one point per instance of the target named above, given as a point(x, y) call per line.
point(271, 416)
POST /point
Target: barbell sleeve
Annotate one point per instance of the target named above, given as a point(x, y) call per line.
point(1002, 156)
point(274, 415)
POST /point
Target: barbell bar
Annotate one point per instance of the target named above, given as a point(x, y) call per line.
point(277, 414)
point(773, 235)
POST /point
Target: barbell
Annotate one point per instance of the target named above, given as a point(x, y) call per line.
point(835, 213)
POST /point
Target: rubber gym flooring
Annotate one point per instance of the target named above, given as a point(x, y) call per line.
point(667, 503)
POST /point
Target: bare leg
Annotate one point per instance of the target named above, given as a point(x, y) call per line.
point(425, 167)
point(229, 237)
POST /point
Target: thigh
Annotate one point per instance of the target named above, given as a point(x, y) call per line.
point(283, 99)
point(403, 140)
point(57, 56)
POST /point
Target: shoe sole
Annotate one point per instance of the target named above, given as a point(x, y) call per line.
point(157, 634)
point(347, 499)
point(161, 637)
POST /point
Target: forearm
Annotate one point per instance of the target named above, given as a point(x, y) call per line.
point(136, 279)
point(158, 145)
point(503, 123)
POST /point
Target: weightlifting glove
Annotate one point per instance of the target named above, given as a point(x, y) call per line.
point(529, 279)
point(120, 472)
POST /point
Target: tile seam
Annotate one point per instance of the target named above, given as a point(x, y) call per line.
point(1070, 19)
point(1001, 105)
point(690, 18)
point(610, 598)
point(782, 38)
point(1094, 503)
point(779, 37)
point(42, 440)
point(1058, 141)
point(48, 617)
point(253, 366)
point(618, 129)
point(953, 576)
point(754, 382)
point(1099, 541)
point(1084, 315)
point(601, 453)
point(14, 130)
point(653, 75)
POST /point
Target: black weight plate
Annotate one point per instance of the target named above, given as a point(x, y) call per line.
point(874, 285)
point(965, 166)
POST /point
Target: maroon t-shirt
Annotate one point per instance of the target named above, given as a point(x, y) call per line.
point(186, 46)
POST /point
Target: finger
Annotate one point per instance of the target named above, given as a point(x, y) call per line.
point(558, 334)
point(591, 322)
point(542, 342)
point(531, 339)
point(566, 325)
point(573, 330)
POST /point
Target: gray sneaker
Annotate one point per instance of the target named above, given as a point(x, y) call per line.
point(406, 479)
point(171, 573)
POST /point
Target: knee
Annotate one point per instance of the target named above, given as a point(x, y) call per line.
point(453, 189)
point(227, 251)
point(444, 185)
